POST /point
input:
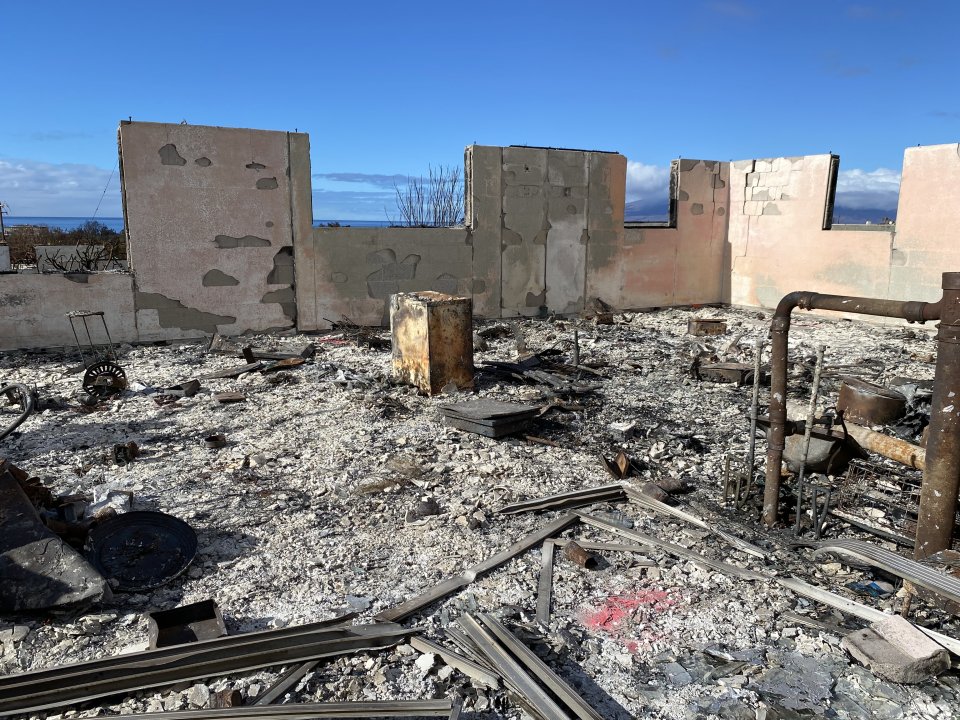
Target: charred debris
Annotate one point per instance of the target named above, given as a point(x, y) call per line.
point(685, 512)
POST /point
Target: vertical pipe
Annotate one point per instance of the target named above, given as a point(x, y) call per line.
point(779, 329)
point(754, 408)
point(941, 475)
point(807, 431)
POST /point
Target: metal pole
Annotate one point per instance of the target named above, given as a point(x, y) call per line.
point(93, 348)
point(754, 407)
point(941, 474)
point(811, 416)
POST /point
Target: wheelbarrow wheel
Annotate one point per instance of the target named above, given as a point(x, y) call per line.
point(104, 378)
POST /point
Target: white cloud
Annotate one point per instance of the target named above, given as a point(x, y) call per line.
point(878, 188)
point(39, 189)
point(647, 182)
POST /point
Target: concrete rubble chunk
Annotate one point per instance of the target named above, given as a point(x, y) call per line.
point(897, 650)
point(39, 570)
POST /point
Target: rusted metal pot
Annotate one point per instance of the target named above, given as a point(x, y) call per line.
point(869, 404)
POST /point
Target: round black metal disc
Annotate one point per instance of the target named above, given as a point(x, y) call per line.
point(104, 378)
point(141, 550)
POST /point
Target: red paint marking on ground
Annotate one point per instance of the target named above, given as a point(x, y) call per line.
point(618, 610)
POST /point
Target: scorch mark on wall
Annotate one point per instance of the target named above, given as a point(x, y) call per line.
point(170, 156)
point(228, 241)
point(174, 314)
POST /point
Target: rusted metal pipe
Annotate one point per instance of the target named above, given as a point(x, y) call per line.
point(585, 559)
point(941, 476)
point(912, 311)
point(890, 447)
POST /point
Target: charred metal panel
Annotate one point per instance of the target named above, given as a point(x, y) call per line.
point(432, 340)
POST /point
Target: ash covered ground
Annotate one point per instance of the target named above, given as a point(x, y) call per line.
point(341, 491)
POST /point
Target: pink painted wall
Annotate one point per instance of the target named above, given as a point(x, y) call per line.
point(681, 265)
point(777, 241)
point(927, 243)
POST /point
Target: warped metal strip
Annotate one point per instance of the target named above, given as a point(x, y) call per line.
point(653, 504)
point(576, 498)
point(25, 692)
point(306, 711)
point(672, 549)
point(892, 562)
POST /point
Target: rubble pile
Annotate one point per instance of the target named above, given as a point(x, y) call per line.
point(322, 487)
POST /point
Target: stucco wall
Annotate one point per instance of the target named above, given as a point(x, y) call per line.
point(357, 269)
point(221, 239)
point(687, 263)
point(927, 243)
point(777, 241)
point(33, 308)
point(210, 216)
point(532, 217)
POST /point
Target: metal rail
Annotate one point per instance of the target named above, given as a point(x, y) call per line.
point(938, 582)
point(67, 684)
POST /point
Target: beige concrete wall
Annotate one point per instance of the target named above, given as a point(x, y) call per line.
point(928, 222)
point(483, 170)
point(212, 215)
point(559, 206)
point(777, 241)
point(33, 308)
point(532, 215)
point(357, 269)
point(684, 264)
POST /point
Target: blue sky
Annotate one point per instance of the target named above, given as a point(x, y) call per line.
point(384, 89)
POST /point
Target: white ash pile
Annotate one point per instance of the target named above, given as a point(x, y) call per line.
point(338, 491)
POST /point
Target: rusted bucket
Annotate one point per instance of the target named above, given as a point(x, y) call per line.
point(869, 404)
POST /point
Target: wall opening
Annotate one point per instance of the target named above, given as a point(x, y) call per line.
point(651, 197)
point(857, 198)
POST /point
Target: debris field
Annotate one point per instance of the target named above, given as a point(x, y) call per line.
point(327, 487)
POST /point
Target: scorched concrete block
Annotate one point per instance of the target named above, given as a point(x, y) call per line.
point(897, 650)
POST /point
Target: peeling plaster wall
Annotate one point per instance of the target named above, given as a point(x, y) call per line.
point(777, 241)
point(204, 206)
point(357, 269)
point(531, 214)
point(33, 308)
point(685, 264)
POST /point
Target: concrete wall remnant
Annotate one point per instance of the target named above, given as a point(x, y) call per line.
point(220, 239)
point(187, 220)
point(33, 307)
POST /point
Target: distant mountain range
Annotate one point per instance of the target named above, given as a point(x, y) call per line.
point(858, 216)
point(656, 211)
point(646, 211)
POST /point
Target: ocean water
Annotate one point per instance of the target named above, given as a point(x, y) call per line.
point(64, 223)
point(71, 223)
